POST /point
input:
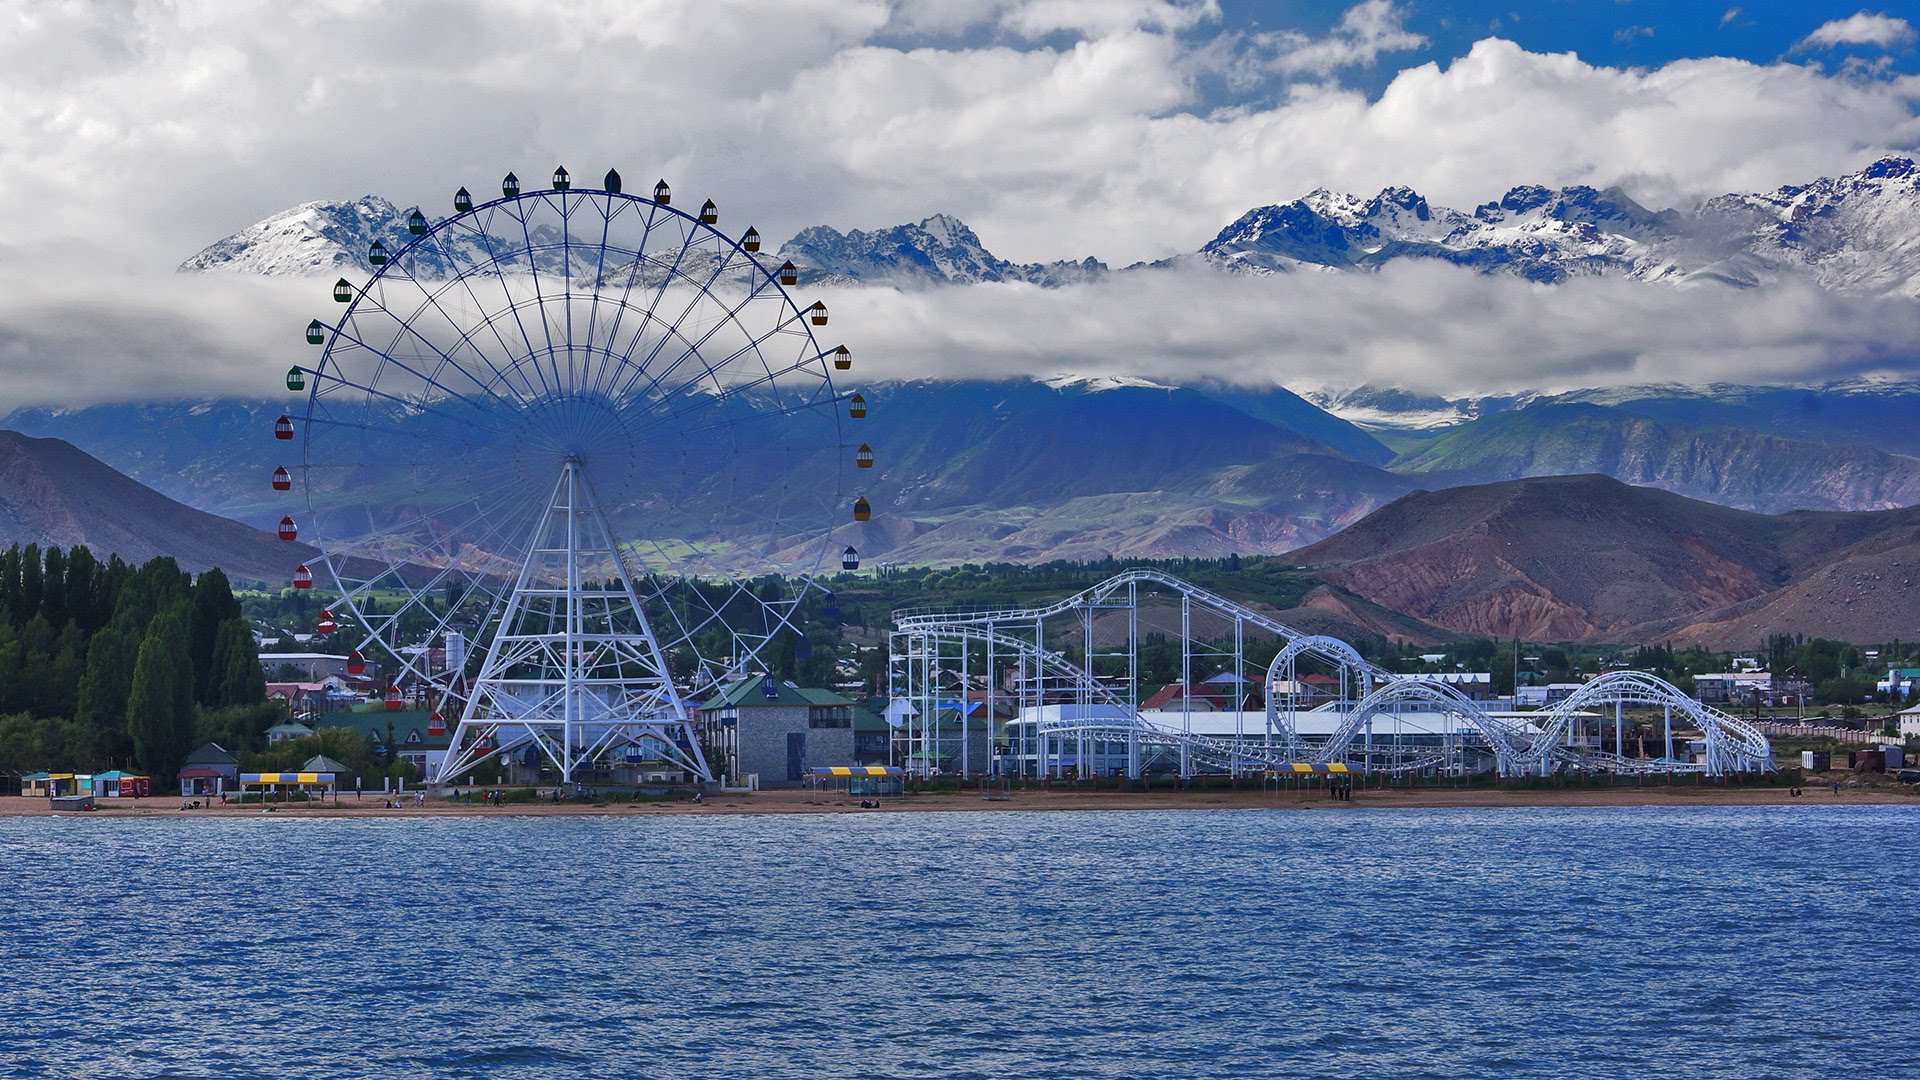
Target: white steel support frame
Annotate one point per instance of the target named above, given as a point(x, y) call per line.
point(1537, 743)
point(574, 667)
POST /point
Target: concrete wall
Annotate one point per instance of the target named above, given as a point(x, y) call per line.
point(763, 743)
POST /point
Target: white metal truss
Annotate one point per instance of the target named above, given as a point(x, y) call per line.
point(930, 648)
point(574, 667)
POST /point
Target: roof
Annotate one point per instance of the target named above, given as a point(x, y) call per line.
point(1315, 723)
point(323, 763)
point(199, 772)
point(288, 727)
point(372, 723)
point(747, 693)
point(1456, 678)
point(1173, 691)
point(211, 754)
point(833, 771)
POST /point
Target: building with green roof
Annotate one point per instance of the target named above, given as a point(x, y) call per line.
point(776, 730)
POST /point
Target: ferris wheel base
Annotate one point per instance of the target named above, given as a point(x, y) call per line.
point(574, 669)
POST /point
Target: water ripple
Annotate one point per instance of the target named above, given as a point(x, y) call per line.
point(1580, 942)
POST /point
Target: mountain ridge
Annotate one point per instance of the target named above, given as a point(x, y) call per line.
point(52, 492)
point(1858, 232)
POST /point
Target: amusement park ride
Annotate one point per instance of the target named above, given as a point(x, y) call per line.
point(1072, 714)
point(596, 439)
point(562, 425)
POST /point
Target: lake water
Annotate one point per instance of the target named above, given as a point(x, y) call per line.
point(1736, 942)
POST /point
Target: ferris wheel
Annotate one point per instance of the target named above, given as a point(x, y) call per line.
point(573, 458)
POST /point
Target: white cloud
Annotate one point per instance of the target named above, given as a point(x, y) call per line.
point(138, 132)
point(1365, 32)
point(1037, 17)
point(1729, 16)
point(1421, 326)
point(1861, 28)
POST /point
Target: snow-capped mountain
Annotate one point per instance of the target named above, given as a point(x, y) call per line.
point(1856, 233)
point(939, 250)
point(1390, 408)
point(1533, 232)
point(312, 238)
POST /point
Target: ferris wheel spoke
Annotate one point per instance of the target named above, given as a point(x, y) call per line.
point(732, 315)
point(651, 311)
point(728, 393)
point(700, 291)
point(600, 266)
point(752, 347)
point(477, 519)
point(429, 380)
point(533, 276)
point(466, 283)
point(635, 265)
point(406, 403)
point(446, 356)
point(494, 260)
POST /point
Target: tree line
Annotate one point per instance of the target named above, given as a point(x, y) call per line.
point(106, 665)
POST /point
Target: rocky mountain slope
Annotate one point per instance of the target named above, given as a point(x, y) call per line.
point(1581, 558)
point(1725, 465)
point(1023, 470)
point(1857, 233)
point(53, 493)
point(1589, 558)
point(939, 250)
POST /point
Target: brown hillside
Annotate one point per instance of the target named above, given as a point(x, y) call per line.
point(1556, 558)
point(54, 493)
point(1862, 592)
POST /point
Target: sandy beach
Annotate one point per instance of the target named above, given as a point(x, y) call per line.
point(818, 802)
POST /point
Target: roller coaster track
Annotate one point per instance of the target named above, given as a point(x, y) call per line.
point(1520, 745)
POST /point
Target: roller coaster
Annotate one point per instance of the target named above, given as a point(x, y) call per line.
point(1086, 714)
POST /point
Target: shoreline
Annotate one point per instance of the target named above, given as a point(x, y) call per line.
point(801, 801)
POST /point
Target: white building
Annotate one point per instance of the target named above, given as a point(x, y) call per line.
point(1037, 745)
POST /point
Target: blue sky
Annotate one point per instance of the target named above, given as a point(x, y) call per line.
point(1619, 33)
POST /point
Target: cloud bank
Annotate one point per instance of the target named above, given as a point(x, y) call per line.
point(1430, 327)
point(137, 132)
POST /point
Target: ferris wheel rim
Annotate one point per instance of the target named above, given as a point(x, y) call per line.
point(688, 232)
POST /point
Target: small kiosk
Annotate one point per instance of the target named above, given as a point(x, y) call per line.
point(271, 782)
point(859, 779)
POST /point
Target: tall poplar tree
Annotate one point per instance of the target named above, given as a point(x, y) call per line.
point(213, 604)
point(160, 710)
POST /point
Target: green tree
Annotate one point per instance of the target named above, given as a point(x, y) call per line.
point(237, 675)
point(53, 587)
point(213, 605)
point(61, 685)
point(160, 710)
point(241, 729)
point(31, 579)
point(82, 572)
point(108, 678)
point(10, 583)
